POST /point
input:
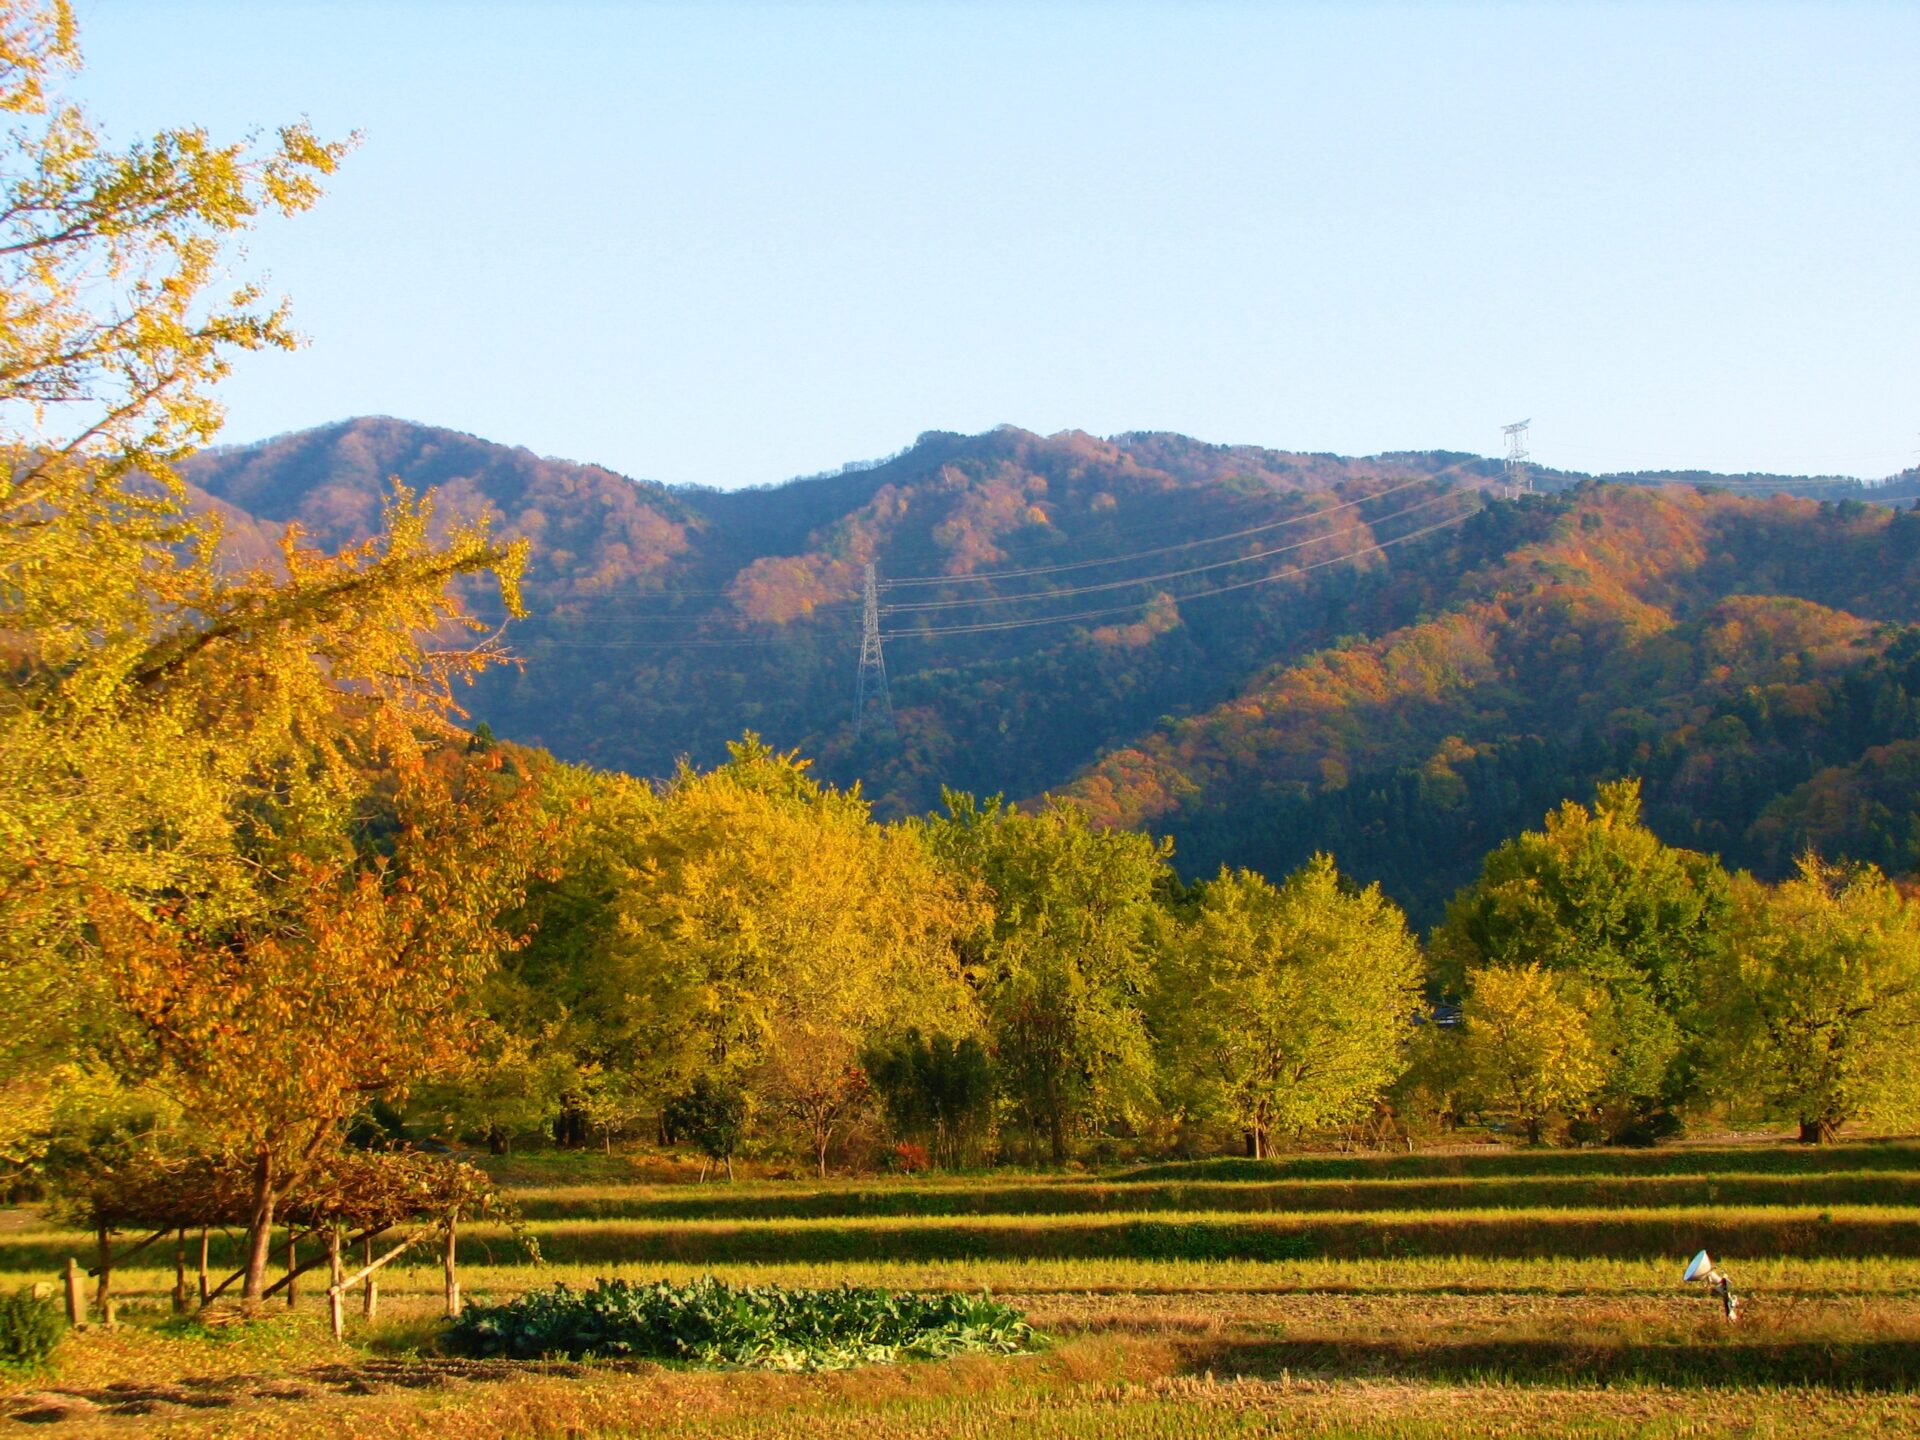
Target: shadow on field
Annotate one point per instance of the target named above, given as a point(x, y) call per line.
point(1774, 1159)
point(1866, 1365)
point(1530, 1192)
point(1516, 1236)
point(155, 1399)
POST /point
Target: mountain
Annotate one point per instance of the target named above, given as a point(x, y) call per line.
point(1752, 660)
point(1261, 651)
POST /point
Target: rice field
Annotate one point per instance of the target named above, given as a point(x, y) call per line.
point(1503, 1293)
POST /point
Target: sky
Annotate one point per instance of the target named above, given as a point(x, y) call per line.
point(727, 243)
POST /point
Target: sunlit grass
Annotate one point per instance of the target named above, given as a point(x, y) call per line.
point(1516, 1298)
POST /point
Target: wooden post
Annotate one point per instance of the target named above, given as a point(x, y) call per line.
point(76, 1294)
point(453, 1276)
point(180, 1272)
point(103, 1297)
point(336, 1302)
point(370, 1297)
point(293, 1271)
point(203, 1266)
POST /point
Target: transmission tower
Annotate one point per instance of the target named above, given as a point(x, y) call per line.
point(1519, 482)
point(873, 661)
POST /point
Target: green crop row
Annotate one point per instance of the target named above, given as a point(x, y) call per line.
point(1849, 1231)
point(709, 1322)
point(715, 1202)
point(1697, 1160)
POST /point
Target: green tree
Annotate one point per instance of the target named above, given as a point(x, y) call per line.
point(1530, 1050)
point(1064, 968)
point(712, 1114)
point(937, 1089)
point(1595, 894)
point(1288, 1008)
point(1821, 998)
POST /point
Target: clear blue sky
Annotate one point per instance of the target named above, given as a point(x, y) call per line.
point(731, 242)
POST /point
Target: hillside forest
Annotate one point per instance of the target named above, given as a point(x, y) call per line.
point(1456, 797)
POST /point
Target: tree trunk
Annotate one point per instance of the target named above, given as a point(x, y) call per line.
point(821, 1140)
point(259, 1232)
point(1057, 1134)
point(203, 1264)
point(1818, 1131)
point(180, 1272)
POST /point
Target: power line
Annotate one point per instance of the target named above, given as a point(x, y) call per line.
point(551, 641)
point(987, 575)
point(1169, 574)
point(989, 626)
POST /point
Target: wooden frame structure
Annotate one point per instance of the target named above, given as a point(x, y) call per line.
point(348, 1201)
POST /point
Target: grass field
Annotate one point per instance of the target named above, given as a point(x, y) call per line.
point(1506, 1293)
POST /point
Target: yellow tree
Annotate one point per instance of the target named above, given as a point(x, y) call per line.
point(225, 842)
point(116, 319)
point(1530, 1049)
point(1820, 998)
point(1288, 1007)
point(771, 928)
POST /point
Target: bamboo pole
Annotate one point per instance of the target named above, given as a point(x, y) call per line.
point(180, 1272)
point(103, 1297)
point(76, 1294)
point(127, 1254)
point(453, 1275)
point(370, 1297)
point(336, 1304)
point(394, 1254)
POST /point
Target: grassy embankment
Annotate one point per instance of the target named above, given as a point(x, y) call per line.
point(1506, 1293)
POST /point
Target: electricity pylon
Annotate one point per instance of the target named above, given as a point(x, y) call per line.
point(1519, 482)
point(873, 661)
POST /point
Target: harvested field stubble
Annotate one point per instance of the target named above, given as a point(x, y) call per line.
point(1523, 1294)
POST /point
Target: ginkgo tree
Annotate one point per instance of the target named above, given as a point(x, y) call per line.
point(234, 860)
point(768, 931)
point(1530, 1050)
point(1064, 968)
point(1818, 999)
point(1287, 1008)
point(1595, 895)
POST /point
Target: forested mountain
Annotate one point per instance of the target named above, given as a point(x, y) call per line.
point(1433, 666)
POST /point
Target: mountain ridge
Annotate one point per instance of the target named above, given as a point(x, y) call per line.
point(669, 618)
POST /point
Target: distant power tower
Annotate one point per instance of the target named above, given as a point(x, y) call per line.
point(871, 687)
point(1519, 481)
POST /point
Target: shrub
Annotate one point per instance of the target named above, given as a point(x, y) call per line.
point(907, 1157)
point(708, 1322)
point(30, 1326)
point(713, 1116)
